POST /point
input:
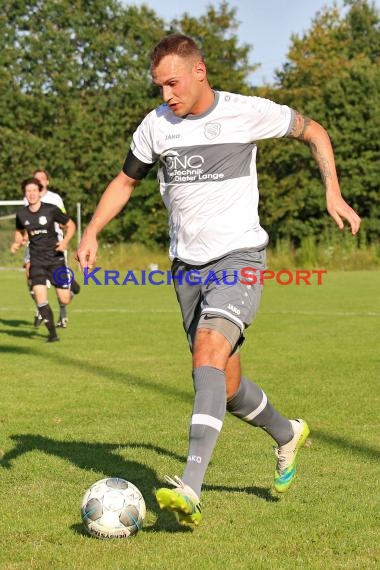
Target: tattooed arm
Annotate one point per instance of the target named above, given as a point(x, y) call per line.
point(316, 137)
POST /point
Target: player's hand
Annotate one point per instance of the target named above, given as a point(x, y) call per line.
point(61, 246)
point(339, 210)
point(15, 247)
point(86, 252)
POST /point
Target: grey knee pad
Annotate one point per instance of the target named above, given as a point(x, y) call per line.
point(230, 330)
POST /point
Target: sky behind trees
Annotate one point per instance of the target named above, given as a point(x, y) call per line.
point(267, 25)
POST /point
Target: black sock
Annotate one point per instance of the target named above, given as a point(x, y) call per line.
point(47, 315)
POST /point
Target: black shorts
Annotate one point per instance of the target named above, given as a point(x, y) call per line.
point(55, 273)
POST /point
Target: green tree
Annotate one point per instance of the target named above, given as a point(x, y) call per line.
point(76, 85)
point(215, 32)
point(333, 76)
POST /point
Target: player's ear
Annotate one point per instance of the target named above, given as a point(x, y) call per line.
point(200, 70)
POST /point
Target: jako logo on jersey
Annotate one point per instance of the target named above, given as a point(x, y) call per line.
point(233, 309)
point(42, 220)
point(212, 130)
point(195, 458)
point(170, 137)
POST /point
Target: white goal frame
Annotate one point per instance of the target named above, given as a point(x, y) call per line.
point(11, 202)
point(21, 203)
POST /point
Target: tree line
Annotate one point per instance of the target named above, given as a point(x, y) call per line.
point(75, 83)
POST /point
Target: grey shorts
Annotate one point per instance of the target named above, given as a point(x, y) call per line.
point(216, 290)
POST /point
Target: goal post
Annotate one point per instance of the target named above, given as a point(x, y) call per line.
point(11, 202)
point(79, 222)
point(8, 210)
point(7, 230)
point(21, 203)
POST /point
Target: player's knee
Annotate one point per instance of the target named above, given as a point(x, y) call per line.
point(64, 296)
point(215, 339)
point(221, 325)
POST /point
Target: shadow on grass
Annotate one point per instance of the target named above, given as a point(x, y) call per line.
point(53, 352)
point(165, 391)
point(18, 334)
point(260, 492)
point(264, 493)
point(104, 459)
point(15, 349)
point(344, 443)
point(167, 524)
point(26, 330)
point(14, 323)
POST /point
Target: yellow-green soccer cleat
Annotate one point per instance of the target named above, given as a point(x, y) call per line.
point(287, 454)
point(181, 500)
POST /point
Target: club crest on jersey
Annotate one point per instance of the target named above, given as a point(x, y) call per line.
point(212, 130)
point(42, 220)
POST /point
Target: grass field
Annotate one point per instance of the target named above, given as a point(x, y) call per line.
point(114, 398)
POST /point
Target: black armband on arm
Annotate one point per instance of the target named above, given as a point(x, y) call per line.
point(134, 168)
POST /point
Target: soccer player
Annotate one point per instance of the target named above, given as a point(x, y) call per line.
point(205, 143)
point(37, 223)
point(50, 197)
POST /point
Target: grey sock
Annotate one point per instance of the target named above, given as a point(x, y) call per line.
point(206, 422)
point(62, 311)
point(251, 404)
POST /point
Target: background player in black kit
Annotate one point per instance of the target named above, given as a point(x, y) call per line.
point(36, 223)
point(49, 196)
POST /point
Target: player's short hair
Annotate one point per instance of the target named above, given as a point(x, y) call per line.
point(31, 180)
point(41, 170)
point(175, 44)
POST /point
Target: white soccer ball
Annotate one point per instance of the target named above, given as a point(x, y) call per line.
point(113, 508)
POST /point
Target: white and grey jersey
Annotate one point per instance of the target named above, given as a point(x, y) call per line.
point(207, 172)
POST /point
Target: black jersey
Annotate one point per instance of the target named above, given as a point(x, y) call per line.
point(42, 234)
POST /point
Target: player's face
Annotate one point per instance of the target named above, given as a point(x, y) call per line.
point(182, 82)
point(32, 194)
point(41, 177)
